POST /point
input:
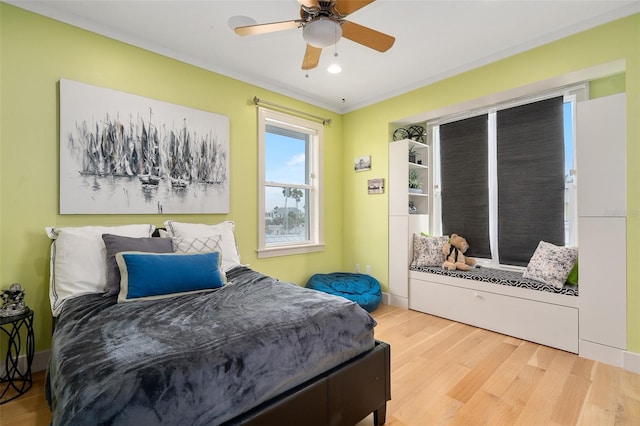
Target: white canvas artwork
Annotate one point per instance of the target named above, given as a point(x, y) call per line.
point(127, 154)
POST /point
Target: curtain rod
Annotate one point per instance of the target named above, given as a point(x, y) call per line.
point(257, 101)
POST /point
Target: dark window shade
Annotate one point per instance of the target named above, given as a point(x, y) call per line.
point(530, 171)
point(464, 181)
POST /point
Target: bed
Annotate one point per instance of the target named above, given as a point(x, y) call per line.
point(253, 350)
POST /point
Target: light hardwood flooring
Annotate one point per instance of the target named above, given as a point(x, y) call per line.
point(447, 373)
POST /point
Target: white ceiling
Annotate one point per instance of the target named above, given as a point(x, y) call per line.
point(434, 39)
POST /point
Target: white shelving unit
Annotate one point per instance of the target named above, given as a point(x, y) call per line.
point(400, 168)
point(404, 221)
point(602, 231)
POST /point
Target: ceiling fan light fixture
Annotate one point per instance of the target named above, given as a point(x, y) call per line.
point(322, 32)
point(334, 68)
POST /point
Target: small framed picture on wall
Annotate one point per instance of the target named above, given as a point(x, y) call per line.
point(375, 186)
point(363, 163)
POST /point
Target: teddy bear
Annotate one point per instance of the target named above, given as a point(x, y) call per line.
point(454, 251)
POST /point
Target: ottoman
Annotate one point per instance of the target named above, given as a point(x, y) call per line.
point(360, 288)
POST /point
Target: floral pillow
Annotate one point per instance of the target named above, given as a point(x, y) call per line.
point(551, 264)
point(427, 251)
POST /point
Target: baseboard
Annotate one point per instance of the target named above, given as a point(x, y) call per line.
point(602, 353)
point(40, 362)
point(385, 298)
point(400, 302)
point(631, 361)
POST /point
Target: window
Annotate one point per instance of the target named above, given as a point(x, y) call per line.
point(290, 185)
point(504, 178)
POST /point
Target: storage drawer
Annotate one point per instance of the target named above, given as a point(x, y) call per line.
point(540, 322)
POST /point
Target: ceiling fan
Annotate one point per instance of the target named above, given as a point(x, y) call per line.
point(323, 24)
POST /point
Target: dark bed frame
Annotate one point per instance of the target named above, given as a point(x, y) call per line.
point(339, 397)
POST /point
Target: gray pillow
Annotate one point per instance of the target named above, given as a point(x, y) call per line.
point(116, 244)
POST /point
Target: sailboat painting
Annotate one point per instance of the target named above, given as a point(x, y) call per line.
point(126, 154)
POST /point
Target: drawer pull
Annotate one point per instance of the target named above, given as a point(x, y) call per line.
point(477, 295)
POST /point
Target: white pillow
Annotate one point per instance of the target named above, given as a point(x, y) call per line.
point(79, 259)
point(551, 264)
point(230, 255)
point(164, 233)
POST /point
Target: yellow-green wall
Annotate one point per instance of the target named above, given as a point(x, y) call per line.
point(35, 53)
point(366, 131)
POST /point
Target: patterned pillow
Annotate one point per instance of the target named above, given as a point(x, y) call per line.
point(427, 251)
point(551, 264)
point(196, 245)
point(200, 245)
point(230, 254)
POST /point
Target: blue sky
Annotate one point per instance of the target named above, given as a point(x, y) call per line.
point(285, 163)
point(568, 138)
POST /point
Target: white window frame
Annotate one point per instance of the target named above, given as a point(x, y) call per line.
point(315, 199)
point(574, 94)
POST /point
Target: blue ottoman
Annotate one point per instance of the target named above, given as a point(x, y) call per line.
point(360, 288)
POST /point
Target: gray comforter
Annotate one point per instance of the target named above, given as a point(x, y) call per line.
point(196, 359)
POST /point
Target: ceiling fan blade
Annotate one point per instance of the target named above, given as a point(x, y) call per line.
point(309, 3)
point(311, 57)
point(346, 7)
point(367, 37)
point(267, 28)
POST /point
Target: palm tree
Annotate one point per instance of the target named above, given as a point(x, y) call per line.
point(287, 193)
point(297, 195)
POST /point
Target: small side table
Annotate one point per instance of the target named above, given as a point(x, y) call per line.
point(16, 381)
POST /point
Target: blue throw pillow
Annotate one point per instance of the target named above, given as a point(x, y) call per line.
point(146, 276)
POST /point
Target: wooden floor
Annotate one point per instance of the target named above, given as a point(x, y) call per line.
point(446, 373)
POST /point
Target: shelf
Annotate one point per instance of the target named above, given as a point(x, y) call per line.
point(400, 169)
point(418, 145)
point(417, 166)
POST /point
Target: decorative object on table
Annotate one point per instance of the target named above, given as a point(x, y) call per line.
point(16, 378)
point(13, 301)
point(454, 250)
point(126, 154)
point(375, 186)
point(363, 163)
point(415, 183)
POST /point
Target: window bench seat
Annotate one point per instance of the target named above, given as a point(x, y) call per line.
point(500, 301)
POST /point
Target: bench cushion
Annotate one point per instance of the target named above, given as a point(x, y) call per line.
point(501, 276)
point(360, 288)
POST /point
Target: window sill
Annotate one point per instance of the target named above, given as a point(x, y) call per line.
point(289, 250)
point(484, 263)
